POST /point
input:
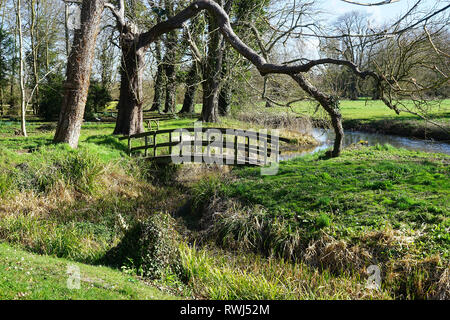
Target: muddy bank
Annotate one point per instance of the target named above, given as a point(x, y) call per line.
point(404, 128)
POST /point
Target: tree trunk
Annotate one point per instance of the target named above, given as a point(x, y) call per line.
point(78, 74)
point(159, 85)
point(353, 89)
point(212, 73)
point(225, 98)
point(23, 102)
point(226, 94)
point(34, 51)
point(170, 72)
point(193, 78)
point(130, 118)
point(171, 88)
point(331, 106)
point(66, 29)
point(170, 62)
point(2, 102)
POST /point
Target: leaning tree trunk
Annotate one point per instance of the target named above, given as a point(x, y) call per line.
point(78, 74)
point(331, 106)
point(193, 78)
point(130, 119)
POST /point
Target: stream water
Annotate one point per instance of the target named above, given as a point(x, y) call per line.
point(326, 139)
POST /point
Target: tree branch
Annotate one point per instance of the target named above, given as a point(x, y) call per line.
point(118, 13)
point(381, 3)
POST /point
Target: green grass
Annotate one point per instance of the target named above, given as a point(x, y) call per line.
point(376, 110)
point(373, 205)
point(35, 277)
point(362, 191)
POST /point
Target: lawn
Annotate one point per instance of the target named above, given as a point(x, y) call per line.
point(376, 110)
point(39, 277)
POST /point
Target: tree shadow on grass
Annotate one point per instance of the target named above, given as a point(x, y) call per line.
point(109, 141)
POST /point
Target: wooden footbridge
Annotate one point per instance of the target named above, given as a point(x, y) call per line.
point(206, 145)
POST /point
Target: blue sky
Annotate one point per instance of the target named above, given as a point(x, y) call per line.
point(379, 14)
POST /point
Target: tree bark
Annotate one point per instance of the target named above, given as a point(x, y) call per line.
point(159, 85)
point(170, 62)
point(130, 119)
point(23, 102)
point(66, 29)
point(78, 74)
point(225, 99)
point(226, 94)
point(170, 73)
point(212, 72)
point(193, 78)
point(34, 52)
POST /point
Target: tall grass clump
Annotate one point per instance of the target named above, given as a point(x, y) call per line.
point(74, 169)
point(218, 274)
point(68, 240)
point(277, 120)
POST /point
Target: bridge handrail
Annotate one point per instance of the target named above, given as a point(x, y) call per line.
point(245, 133)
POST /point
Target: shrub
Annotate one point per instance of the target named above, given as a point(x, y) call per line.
point(51, 97)
point(151, 247)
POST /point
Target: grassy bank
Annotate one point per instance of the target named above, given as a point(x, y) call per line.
point(376, 205)
point(34, 277)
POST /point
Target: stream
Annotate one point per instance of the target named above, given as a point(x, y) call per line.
point(326, 139)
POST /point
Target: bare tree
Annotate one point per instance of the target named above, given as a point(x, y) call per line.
point(23, 99)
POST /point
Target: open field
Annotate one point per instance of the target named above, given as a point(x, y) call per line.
point(374, 116)
point(376, 110)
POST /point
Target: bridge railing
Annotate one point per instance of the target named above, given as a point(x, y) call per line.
point(225, 143)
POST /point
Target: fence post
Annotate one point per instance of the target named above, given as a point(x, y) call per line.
point(181, 144)
point(235, 149)
point(154, 145)
point(248, 151)
point(146, 146)
point(129, 145)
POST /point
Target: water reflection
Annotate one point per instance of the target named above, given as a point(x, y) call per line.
point(326, 139)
